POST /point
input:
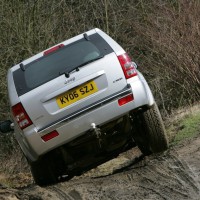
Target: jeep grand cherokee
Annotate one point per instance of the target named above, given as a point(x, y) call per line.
point(80, 103)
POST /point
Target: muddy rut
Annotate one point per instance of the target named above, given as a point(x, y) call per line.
point(172, 175)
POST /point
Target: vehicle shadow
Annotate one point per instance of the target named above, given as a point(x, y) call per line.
point(129, 165)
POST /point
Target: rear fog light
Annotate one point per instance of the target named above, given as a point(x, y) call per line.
point(49, 136)
point(125, 100)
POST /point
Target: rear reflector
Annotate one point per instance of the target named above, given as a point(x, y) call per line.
point(125, 99)
point(53, 49)
point(50, 136)
point(127, 66)
point(21, 116)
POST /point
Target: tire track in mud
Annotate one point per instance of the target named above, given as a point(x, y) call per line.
point(167, 176)
point(156, 177)
point(72, 195)
point(171, 178)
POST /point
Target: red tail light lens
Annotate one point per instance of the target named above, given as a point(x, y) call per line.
point(50, 136)
point(127, 66)
point(125, 99)
point(53, 49)
point(21, 116)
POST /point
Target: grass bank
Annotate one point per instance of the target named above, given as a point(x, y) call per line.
point(183, 124)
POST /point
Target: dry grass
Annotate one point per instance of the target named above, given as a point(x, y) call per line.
point(164, 39)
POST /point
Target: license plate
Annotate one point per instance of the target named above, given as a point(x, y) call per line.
point(76, 94)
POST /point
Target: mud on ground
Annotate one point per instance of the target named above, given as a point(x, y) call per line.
point(172, 175)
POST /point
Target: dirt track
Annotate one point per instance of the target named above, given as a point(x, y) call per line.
point(172, 175)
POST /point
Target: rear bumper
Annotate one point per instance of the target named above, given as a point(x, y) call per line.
point(77, 124)
point(88, 109)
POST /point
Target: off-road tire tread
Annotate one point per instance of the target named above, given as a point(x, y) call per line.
point(149, 131)
point(42, 173)
point(154, 125)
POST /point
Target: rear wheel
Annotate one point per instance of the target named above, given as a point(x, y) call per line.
point(149, 131)
point(43, 172)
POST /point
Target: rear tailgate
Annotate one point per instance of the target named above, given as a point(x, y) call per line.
point(69, 94)
point(62, 97)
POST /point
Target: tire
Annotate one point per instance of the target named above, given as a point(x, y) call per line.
point(149, 131)
point(43, 173)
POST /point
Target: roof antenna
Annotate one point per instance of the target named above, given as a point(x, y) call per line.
point(22, 67)
point(86, 36)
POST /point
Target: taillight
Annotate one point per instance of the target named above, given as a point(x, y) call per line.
point(53, 49)
point(127, 66)
point(21, 116)
point(50, 135)
point(125, 99)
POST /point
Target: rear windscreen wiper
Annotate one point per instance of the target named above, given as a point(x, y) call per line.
point(67, 71)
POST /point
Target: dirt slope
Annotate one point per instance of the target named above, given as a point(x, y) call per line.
point(172, 175)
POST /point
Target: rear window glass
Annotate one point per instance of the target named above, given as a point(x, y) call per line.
point(63, 60)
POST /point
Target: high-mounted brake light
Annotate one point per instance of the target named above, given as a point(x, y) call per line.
point(125, 100)
point(21, 116)
point(53, 49)
point(50, 136)
point(127, 66)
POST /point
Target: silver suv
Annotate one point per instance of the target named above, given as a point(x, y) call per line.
point(79, 104)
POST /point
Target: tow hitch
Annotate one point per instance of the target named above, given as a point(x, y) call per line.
point(98, 133)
